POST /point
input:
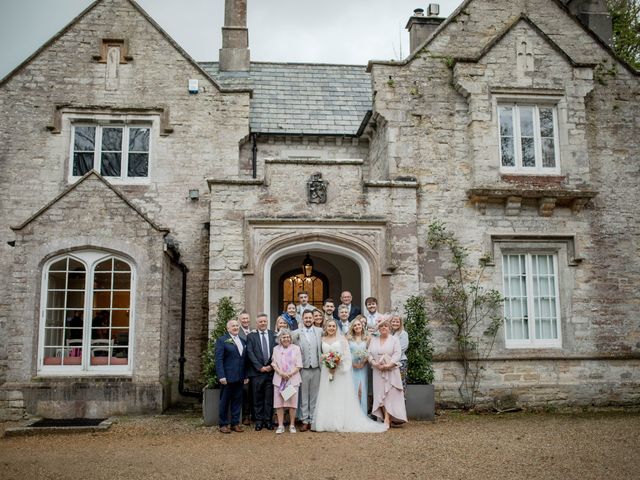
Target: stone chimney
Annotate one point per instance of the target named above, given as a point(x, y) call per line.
point(421, 27)
point(594, 14)
point(234, 54)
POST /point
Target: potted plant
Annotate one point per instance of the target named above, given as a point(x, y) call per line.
point(420, 397)
point(211, 390)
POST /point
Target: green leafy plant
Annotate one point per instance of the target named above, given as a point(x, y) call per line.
point(471, 312)
point(226, 312)
point(625, 17)
point(420, 351)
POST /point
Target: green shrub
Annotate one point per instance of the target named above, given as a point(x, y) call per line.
point(226, 312)
point(420, 351)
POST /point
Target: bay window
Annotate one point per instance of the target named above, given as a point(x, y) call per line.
point(86, 315)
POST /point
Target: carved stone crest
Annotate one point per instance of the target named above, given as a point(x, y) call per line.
point(317, 189)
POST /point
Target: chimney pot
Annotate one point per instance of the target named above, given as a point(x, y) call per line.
point(418, 12)
point(433, 10)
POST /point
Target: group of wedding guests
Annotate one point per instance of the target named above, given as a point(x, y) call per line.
point(316, 365)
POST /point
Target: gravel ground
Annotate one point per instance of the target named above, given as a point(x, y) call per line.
point(596, 445)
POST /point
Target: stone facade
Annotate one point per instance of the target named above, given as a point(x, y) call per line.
point(428, 149)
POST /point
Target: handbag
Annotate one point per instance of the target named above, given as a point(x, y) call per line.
point(288, 392)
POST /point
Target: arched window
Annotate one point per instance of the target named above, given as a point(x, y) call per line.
point(291, 283)
point(86, 314)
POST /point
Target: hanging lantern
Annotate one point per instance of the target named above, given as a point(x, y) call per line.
point(307, 266)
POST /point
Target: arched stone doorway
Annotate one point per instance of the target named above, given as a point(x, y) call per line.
point(334, 273)
point(345, 267)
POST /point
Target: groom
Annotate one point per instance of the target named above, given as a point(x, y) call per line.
point(308, 338)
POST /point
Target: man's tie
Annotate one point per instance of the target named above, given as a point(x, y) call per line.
point(265, 348)
point(238, 343)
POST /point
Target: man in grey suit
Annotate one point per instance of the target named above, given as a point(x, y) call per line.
point(247, 392)
point(309, 339)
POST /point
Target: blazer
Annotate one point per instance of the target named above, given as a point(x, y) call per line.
point(229, 363)
point(255, 360)
point(353, 313)
point(243, 335)
point(299, 338)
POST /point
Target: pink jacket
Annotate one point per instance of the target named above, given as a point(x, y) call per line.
point(277, 360)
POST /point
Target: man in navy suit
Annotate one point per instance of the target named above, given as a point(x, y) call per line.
point(346, 298)
point(260, 345)
point(230, 369)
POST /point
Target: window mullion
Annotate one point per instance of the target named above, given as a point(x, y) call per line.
point(86, 331)
point(516, 136)
point(530, 298)
point(537, 138)
point(125, 153)
point(98, 150)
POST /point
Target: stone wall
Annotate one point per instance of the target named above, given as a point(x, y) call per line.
point(64, 75)
point(440, 109)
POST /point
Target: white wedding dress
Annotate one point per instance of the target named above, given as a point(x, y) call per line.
point(338, 408)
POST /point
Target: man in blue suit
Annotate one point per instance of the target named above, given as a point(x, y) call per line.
point(230, 369)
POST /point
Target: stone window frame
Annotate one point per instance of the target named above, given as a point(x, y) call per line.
point(90, 259)
point(102, 120)
point(563, 263)
point(534, 99)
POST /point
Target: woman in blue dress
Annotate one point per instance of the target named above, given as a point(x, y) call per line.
point(358, 341)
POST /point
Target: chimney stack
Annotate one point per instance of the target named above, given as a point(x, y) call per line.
point(594, 14)
point(421, 27)
point(234, 54)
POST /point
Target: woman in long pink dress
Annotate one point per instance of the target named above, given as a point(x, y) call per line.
point(388, 394)
point(286, 363)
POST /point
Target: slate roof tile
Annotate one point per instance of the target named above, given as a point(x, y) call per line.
point(290, 98)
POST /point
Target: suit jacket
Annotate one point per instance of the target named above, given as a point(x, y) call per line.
point(353, 313)
point(229, 363)
point(299, 338)
point(255, 359)
point(243, 335)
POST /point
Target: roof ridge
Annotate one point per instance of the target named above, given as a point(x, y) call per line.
point(311, 64)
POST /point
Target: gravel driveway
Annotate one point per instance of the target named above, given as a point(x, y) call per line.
point(602, 445)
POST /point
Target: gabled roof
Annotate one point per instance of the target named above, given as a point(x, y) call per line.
point(451, 18)
point(522, 18)
point(69, 189)
point(302, 98)
point(147, 17)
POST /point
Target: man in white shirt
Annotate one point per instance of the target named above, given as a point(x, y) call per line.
point(372, 315)
point(303, 306)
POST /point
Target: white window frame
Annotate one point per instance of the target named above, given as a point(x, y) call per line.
point(517, 137)
point(532, 341)
point(126, 122)
point(89, 258)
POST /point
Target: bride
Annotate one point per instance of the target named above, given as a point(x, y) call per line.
point(337, 408)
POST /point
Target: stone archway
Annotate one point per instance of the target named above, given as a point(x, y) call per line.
point(268, 243)
point(320, 248)
point(337, 272)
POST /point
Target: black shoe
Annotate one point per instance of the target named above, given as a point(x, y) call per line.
point(258, 427)
point(269, 426)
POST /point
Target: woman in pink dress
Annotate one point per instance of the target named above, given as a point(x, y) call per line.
point(286, 363)
point(388, 394)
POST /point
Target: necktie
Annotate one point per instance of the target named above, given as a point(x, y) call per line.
point(265, 348)
point(238, 343)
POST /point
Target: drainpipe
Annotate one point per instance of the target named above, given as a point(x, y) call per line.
point(183, 325)
point(254, 154)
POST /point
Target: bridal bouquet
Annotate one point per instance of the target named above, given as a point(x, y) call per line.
point(331, 360)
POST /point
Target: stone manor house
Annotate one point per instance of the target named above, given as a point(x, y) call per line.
point(138, 187)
